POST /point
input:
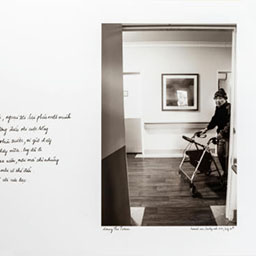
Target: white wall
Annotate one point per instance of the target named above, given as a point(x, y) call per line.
point(153, 59)
point(132, 95)
point(132, 112)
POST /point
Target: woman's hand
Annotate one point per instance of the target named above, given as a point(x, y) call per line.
point(203, 131)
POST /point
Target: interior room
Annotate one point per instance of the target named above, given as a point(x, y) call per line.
point(167, 76)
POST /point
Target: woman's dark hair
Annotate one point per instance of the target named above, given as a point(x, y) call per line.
point(220, 93)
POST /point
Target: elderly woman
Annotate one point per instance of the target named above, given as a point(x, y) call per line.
point(221, 120)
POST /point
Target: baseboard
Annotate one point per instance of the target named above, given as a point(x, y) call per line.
point(165, 153)
point(158, 155)
point(161, 153)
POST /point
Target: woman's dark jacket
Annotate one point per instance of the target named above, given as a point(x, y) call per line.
point(221, 119)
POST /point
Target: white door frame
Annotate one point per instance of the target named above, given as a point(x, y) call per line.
point(231, 188)
point(231, 185)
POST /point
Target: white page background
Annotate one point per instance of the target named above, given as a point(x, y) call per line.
point(50, 62)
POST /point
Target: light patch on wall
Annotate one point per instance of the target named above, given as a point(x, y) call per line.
point(182, 98)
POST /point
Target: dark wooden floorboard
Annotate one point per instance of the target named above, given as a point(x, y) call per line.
point(154, 183)
point(176, 216)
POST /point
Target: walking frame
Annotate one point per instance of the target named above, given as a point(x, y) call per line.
point(201, 158)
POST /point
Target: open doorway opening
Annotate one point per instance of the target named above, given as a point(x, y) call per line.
point(154, 136)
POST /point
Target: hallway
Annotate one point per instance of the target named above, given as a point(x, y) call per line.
point(154, 183)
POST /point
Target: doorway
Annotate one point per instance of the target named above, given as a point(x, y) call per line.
point(132, 112)
point(161, 131)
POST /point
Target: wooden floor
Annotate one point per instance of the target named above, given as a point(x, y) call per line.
point(154, 183)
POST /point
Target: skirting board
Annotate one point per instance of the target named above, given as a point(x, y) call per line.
point(158, 155)
point(165, 153)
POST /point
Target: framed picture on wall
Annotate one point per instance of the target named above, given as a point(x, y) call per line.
point(180, 92)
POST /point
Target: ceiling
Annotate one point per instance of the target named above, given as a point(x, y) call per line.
point(178, 36)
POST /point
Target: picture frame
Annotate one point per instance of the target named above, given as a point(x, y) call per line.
point(180, 92)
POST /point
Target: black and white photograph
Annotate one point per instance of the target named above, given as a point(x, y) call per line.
point(168, 125)
point(180, 91)
point(127, 128)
